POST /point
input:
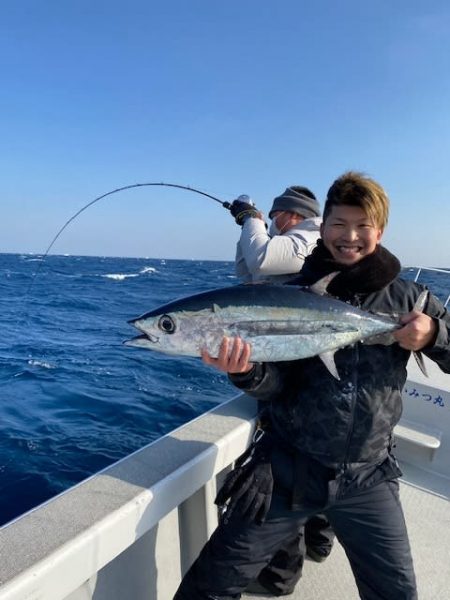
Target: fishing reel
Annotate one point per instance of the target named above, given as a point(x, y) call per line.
point(242, 198)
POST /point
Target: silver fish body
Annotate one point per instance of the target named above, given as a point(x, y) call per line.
point(280, 322)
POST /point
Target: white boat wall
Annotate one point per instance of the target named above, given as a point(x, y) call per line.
point(130, 531)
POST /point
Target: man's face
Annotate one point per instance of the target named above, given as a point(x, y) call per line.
point(349, 234)
point(285, 220)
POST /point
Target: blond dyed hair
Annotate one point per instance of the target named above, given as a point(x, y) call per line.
point(357, 189)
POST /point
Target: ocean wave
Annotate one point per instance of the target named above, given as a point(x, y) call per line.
point(120, 276)
point(40, 363)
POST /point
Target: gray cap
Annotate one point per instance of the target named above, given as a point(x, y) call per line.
point(297, 199)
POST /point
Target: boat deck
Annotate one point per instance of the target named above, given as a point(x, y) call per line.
point(428, 520)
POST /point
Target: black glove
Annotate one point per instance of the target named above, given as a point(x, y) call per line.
point(248, 488)
point(241, 211)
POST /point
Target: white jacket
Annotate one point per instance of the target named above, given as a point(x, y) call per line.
point(260, 257)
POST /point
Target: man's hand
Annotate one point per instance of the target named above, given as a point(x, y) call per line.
point(242, 211)
point(419, 331)
point(233, 356)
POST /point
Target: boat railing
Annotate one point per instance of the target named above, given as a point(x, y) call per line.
point(420, 269)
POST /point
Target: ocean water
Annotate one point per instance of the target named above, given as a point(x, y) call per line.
point(74, 399)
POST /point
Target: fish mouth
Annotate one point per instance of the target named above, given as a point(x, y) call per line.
point(145, 335)
point(142, 339)
point(153, 338)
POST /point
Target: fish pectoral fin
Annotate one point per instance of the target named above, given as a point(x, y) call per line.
point(320, 287)
point(328, 360)
point(420, 362)
point(419, 304)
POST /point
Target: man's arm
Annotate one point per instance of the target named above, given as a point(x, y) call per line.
point(279, 255)
point(240, 266)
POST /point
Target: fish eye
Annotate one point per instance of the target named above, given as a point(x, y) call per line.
point(166, 324)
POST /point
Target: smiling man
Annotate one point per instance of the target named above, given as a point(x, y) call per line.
point(352, 232)
point(328, 446)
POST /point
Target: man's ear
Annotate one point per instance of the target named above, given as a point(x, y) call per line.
point(321, 230)
point(380, 235)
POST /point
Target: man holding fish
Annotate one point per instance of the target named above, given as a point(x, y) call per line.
point(329, 439)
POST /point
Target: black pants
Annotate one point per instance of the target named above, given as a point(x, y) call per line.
point(284, 570)
point(368, 522)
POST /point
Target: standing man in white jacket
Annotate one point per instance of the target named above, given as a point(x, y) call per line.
point(279, 253)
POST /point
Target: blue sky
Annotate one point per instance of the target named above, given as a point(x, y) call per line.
point(243, 96)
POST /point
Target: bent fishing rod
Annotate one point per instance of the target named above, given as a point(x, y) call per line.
point(225, 204)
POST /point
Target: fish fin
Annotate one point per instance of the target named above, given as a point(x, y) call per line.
point(419, 305)
point(320, 287)
point(420, 362)
point(328, 360)
point(216, 308)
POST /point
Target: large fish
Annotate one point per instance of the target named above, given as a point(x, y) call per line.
point(280, 323)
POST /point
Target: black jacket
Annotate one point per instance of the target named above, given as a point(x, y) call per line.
point(348, 421)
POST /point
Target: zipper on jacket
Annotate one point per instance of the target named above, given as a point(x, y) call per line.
point(357, 302)
point(353, 407)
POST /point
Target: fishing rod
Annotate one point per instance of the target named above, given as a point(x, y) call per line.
point(225, 204)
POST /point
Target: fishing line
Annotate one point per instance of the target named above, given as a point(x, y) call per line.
point(225, 204)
